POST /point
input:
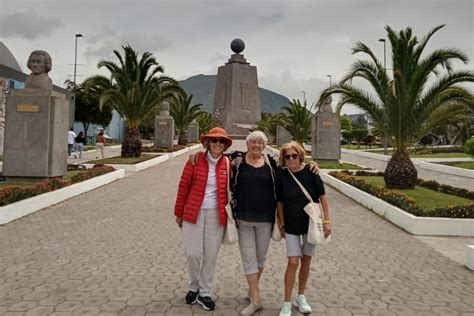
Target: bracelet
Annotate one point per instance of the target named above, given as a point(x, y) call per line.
point(327, 222)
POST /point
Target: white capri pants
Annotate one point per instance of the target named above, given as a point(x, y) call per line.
point(254, 238)
point(202, 242)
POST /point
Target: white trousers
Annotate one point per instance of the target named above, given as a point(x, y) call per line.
point(202, 242)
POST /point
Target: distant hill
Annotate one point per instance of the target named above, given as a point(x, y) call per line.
point(202, 88)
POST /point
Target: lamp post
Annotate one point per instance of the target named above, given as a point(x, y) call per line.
point(330, 80)
point(384, 53)
point(304, 95)
point(385, 149)
point(75, 57)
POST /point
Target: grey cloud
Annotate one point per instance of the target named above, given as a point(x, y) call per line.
point(28, 24)
point(107, 43)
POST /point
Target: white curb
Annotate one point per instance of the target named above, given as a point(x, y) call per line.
point(433, 226)
point(447, 169)
point(470, 257)
point(151, 162)
point(24, 207)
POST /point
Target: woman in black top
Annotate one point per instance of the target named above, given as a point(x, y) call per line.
point(80, 141)
point(293, 220)
point(254, 204)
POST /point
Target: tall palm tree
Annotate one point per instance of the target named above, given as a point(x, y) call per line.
point(133, 89)
point(296, 119)
point(183, 114)
point(423, 92)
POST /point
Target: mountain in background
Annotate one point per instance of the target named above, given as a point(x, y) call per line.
point(202, 88)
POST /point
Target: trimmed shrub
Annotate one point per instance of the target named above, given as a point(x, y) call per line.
point(407, 204)
point(15, 193)
point(469, 147)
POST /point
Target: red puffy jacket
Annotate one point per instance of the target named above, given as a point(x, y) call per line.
point(192, 187)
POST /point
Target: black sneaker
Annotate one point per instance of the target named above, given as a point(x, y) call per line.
point(191, 297)
point(206, 302)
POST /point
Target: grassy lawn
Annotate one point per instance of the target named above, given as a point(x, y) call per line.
point(123, 161)
point(437, 155)
point(425, 198)
point(464, 165)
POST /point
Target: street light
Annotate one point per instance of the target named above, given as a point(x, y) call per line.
point(304, 96)
point(75, 57)
point(330, 81)
point(384, 53)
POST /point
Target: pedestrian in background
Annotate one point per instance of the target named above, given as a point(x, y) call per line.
point(80, 142)
point(71, 139)
point(100, 142)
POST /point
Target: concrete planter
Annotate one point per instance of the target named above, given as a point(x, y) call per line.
point(447, 169)
point(22, 208)
point(433, 226)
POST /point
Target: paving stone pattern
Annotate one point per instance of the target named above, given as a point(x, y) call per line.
point(117, 251)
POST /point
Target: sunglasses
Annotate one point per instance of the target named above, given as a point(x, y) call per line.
point(292, 156)
point(218, 140)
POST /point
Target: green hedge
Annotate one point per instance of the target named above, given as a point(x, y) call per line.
point(15, 193)
point(401, 200)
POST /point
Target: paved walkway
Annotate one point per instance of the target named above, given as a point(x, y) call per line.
point(117, 251)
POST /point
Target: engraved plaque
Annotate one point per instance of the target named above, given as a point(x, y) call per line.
point(328, 123)
point(27, 108)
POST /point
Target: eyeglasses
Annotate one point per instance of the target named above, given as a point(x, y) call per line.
point(292, 156)
point(218, 140)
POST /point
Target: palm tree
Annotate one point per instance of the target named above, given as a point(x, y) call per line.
point(268, 124)
point(296, 119)
point(134, 88)
point(206, 121)
point(183, 114)
point(422, 93)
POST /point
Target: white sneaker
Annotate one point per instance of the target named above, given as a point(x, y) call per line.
point(286, 309)
point(302, 305)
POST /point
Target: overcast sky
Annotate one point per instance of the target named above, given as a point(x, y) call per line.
point(294, 44)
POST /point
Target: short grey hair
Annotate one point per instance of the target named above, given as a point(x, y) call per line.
point(256, 135)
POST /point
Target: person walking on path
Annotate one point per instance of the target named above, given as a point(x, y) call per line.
point(201, 215)
point(80, 141)
point(71, 138)
point(294, 222)
point(100, 142)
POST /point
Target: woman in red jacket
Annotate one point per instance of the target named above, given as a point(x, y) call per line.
point(200, 213)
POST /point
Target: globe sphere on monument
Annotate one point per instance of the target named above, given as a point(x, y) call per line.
point(237, 45)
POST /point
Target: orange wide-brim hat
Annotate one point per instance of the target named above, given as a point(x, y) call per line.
point(217, 132)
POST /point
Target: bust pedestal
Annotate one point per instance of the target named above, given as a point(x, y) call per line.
point(36, 126)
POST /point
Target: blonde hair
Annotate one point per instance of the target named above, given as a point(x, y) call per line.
point(291, 145)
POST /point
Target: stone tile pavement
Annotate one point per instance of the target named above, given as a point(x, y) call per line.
point(117, 251)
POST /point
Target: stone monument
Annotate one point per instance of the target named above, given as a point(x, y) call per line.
point(282, 135)
point(193, 132)
point(36, 126)
point(164, 127)
point(326, 134)
point(237, 98)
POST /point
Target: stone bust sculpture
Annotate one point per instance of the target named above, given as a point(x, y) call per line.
point(326, 106)
point(40, 64)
